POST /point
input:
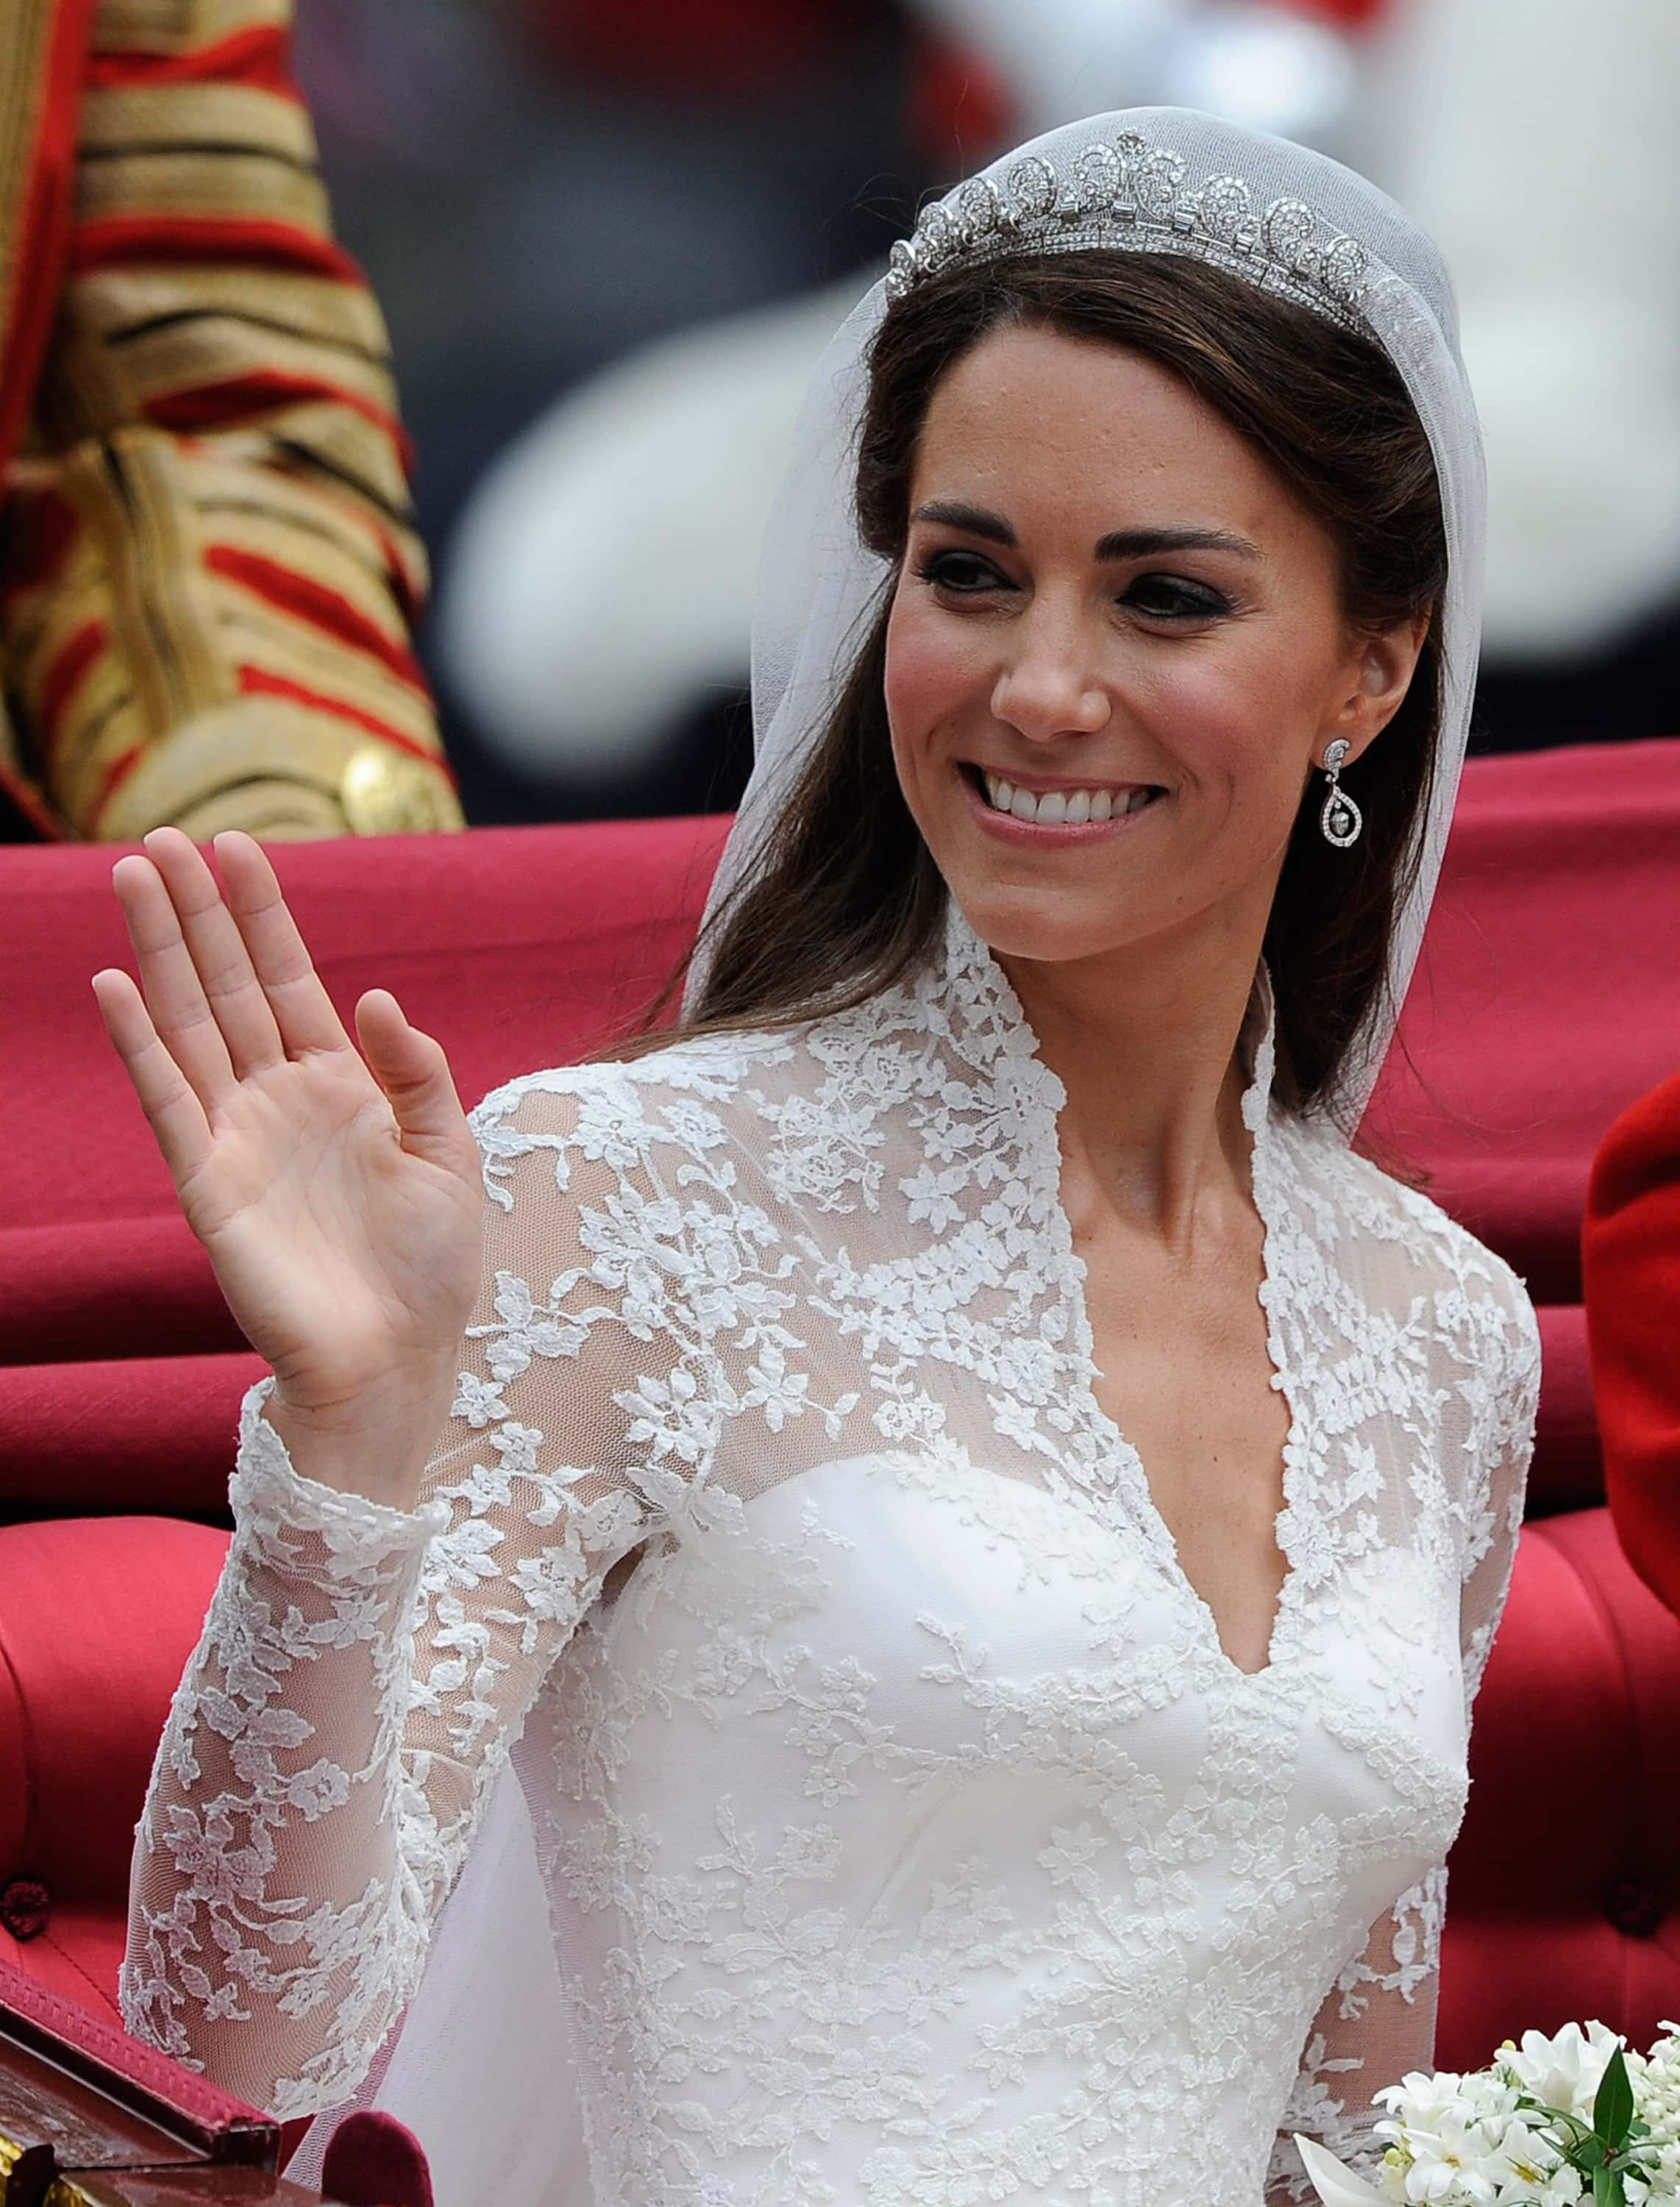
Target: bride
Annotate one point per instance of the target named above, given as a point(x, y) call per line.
point(913, 1561)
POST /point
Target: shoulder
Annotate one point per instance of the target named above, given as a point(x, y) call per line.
point(1480, 1314)
point(618, 1115)
point(1443, 1309)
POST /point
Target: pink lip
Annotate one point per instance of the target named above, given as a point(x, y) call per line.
point(1029, 833)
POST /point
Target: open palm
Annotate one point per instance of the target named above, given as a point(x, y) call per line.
point(337, 1190)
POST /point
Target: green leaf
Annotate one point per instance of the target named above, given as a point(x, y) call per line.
point(1613, 2108)
point(1607, 2188)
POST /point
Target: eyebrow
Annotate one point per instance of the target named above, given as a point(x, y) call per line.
point(1118, 544)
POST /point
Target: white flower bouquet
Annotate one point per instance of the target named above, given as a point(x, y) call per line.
point(1554, 2121)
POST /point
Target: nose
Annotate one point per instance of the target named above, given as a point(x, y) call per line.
point(1049, 685)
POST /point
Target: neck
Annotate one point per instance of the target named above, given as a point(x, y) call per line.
point(1144, 1041)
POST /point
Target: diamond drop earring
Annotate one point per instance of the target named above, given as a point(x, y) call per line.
point(1340, 821)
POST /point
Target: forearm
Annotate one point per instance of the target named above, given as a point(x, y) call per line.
point(274, 1929)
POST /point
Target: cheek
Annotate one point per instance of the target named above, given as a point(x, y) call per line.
point(933, 673)
point(1238, 718)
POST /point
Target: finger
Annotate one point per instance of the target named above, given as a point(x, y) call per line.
point(414, 1072)
point(231, 989)
point(302, 1010)
point(173, 1112)
point(175, 1000)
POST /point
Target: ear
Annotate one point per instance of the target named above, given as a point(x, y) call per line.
point(1382, 667)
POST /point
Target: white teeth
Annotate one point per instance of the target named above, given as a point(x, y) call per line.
point(1057, 807)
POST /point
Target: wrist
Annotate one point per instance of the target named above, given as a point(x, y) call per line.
point(377, 1446)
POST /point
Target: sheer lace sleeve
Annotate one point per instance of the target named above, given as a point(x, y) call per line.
point(363, 1672)
point(1377, 2021)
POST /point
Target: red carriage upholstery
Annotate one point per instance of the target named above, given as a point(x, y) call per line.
point(1546, 1002)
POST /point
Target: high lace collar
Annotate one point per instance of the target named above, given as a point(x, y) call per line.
point(967, 994)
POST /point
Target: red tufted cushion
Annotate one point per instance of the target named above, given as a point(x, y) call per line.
point(1544, 1005)
point(517, 947)
point(97, 1617)
point(78, 1953)
point(1545, 999)
point(1564, 1887)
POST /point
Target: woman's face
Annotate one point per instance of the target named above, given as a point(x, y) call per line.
point(1115, 651)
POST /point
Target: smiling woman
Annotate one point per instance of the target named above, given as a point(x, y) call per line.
point(930, 1659)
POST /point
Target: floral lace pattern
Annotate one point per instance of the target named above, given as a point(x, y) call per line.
point(909, 1838)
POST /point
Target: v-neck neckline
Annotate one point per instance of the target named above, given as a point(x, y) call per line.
point(1042, 1098)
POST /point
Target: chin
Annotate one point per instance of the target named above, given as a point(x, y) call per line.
point(1044, 928)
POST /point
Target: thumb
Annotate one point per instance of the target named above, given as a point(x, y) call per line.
point(414, 1073)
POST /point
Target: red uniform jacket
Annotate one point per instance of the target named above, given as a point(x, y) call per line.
point(208, 567)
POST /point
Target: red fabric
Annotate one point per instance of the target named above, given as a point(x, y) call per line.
point(1631, 1256)
point(1564, 1882)
point(112, 242)
point(142, 1285)
point(1546, 1005)
point(1568, 1473)
point(961, 109)
point(1547, 1000)
point(517, 947)
point(40, 532)
point(115, 775)
point(311, 601)
point(239, 398)
point(209, 2111)
point(259, 57)
point(48, 243)
point(78, 1954)
point(720, 48)
point(1349, 14)
point(97, 1617)
point(374, 2161)
point(68, 669)
point(258, 681)
point(132, 1431)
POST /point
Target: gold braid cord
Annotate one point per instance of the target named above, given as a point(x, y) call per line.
point(211, 563)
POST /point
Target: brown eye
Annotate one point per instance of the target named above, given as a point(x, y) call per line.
point(962, 573)
point(1174, 597)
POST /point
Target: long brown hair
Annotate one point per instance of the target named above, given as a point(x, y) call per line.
point(845, 899)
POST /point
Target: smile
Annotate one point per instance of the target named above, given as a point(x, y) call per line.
point(1005, 806)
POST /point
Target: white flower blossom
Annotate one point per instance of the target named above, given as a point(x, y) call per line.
point(1563, 2071)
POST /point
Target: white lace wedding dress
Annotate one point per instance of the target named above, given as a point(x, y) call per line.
point(907, 1838)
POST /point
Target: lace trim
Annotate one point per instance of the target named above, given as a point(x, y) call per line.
point(268, 1493)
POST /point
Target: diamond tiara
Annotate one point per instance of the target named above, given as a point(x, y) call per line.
point(1125, 193)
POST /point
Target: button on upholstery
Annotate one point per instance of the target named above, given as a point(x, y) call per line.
point(24, 1905)
point(1633, 1909)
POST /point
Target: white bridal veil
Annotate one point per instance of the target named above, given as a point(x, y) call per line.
point(1151, 180)
point(479, 2067)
